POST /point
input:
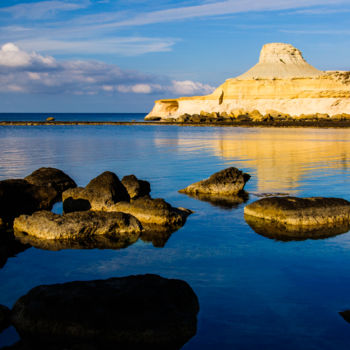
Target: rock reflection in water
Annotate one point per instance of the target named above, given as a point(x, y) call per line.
point(223, 202)
point(281, 232)
point(157, 235)
point(9, 246)
point(93, 242)
point(134, 312)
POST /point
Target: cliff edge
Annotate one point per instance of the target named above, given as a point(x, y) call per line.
point(282, 81)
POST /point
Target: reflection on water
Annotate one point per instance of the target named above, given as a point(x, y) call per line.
point(9, 246)
point(281, 157)
point(223, 202)
point(282, 232)
point(134, 312)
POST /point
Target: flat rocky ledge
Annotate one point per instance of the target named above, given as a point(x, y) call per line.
point(326, 123)
point(294, 211)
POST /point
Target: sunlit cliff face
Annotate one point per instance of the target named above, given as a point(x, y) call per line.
point(278, 159)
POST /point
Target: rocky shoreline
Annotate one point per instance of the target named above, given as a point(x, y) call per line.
point(293, 123)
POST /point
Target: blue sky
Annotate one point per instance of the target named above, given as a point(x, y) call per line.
point(119, 56)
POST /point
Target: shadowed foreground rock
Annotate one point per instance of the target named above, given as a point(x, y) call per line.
point(230, 181)
point(313, 211)
point(18, 197)
point(100, 193)
point(53, 178)
point(47, 225)
point(135, 312)
point(286, 233)
point(346, 315)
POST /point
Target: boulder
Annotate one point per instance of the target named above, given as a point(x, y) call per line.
point(53, 178)
point(4, 317)
point(134, 312)
point(78, 225)
point(101, 192)
point(313, 211)
point(153, 212)
point(135, 187)
point(50, 119)
point(18, 197)
point(230, 181)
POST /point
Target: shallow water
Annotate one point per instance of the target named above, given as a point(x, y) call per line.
point(254, 292)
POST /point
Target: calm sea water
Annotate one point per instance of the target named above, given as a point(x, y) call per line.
point(112, 117)
point(254, 292)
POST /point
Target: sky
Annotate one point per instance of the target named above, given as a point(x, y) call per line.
point(120, 56)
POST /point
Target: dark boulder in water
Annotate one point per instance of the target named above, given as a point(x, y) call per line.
point(135, 187)
point(18, 197)
point(51, 177)
point(100, 193)
point(134, 312)
point(230, 181)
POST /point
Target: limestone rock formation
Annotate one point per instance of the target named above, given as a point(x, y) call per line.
point(78, 225)
point(111, 196)
point(101, 192)
point(156, 213)
point(135, 187)
point(227, 182)
point(134, 312)
point(294, 211)
point(53, 178)
point(282, 81)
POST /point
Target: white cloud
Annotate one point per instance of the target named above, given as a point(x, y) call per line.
point(11, 56)
point(43, 9)
point(25, 72)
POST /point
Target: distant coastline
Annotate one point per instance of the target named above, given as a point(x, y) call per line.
point(275, 123)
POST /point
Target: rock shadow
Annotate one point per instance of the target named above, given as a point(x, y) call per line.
point(134, 312)
point(287, 233)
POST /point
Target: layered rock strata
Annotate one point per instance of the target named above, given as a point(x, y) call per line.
point(281, 81)
point(300, 212)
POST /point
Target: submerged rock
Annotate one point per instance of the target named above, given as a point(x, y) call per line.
point(4, 317)
point(100, 193)
point(226, 182)
point(51, 177)
point(313, 211)
point(286, 233)
point(153, 212)
point(18, 197)
point(135, 187)
point(134, 312)
point(47, 225)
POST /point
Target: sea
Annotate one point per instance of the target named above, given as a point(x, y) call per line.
point(255, 291)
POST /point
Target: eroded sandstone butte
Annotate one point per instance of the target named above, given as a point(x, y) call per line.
point(281, 81)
